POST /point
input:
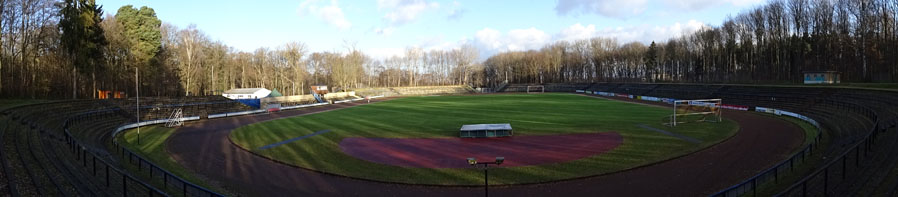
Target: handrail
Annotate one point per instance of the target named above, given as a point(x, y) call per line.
point(803, 154)
point(824, 168)
point(808, 149)
point(80, 149)
point(124, 127)
point(872, 114)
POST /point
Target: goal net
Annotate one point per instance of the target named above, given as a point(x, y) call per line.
point(536, 89)
point(686, 111)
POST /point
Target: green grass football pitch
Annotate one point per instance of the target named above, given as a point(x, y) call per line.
point(442, 116)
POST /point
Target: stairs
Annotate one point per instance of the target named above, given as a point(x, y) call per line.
point(501, 87)
point(317, 96)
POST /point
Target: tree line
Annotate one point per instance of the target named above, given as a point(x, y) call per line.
point(71, 49)
point(772, 43)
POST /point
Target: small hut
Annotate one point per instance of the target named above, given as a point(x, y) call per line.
point(822, 77)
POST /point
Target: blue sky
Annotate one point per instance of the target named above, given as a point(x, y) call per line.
point(383, 28)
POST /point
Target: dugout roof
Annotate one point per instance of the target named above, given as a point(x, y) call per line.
point(486, 127)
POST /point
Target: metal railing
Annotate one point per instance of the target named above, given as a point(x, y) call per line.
point(838, 169)
point(97, 164)
point(168, 180)
point(156, 174)
point(751, 185)
point(102, 174)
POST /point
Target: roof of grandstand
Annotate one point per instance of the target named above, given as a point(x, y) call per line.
point(243, 90)
point(275, 93)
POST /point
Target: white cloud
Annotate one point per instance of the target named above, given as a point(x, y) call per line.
point(384, 53)
point(647, 34)
point(387, 31)
point(456, 11)
point(524, 39)
point(489, 38)
point(491, 41)
point(577, 32)
point(401, 12)
point(695, 5)
point(514, 40)
point(692, 4)
point(425, 44)
point(743, 3)
point(330, 13)
point(609, 8)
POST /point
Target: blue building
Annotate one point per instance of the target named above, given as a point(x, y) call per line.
point(822, 77)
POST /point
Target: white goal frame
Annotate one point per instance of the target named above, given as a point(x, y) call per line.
point(541, 89)
point(712, 104)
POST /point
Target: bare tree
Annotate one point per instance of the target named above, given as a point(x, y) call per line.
point(189, 43)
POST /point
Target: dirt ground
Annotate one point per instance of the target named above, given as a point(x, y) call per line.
point(761, 142)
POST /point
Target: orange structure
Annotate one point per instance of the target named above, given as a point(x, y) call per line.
point(319, 89)
point(107, 94)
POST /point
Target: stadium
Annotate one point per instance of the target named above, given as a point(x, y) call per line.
point(439, 98)
point(815, 140)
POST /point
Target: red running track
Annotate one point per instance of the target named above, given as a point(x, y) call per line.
point(452, 152)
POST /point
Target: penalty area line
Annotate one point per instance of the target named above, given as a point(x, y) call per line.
point(293, 139)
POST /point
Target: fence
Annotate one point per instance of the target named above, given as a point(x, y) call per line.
point(130, 186)
point(93, 161)
point(751, 185)
point(103, 174)
point(774, 173)
point(818, 182)
point(127, 157)
point(169, 181)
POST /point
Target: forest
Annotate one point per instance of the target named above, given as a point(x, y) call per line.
point(71, 49)
point(773, 43)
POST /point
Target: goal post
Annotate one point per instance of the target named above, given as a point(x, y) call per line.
point(536, 89)
point(702, 110)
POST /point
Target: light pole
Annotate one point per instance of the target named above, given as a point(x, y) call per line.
point(137, 89)
point(486, 180)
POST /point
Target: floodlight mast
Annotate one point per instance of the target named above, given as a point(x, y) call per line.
point(486, 183)
point(137, 89)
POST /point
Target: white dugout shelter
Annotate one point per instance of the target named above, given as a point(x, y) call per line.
point(485, 130)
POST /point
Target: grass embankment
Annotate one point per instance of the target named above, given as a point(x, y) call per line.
point(441, 116)
point(152, 147)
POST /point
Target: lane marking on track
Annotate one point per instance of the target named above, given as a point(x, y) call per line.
point(294, 139)
point(683, 137)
